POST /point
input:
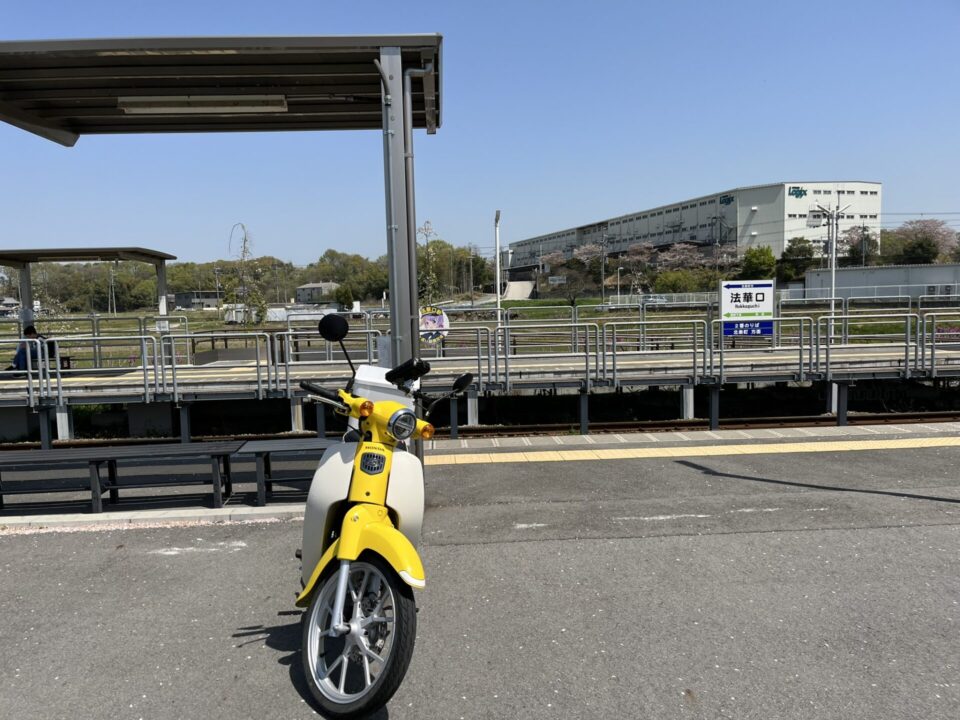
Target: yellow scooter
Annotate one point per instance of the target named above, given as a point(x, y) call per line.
point(361, 529)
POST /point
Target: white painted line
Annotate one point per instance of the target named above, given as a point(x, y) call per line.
point(651, 438)
point(589, 440)
point(681, 436)
point(620, 438)
point(528, 526)
point(659, 517)
point(713, 435)
point(526, 441)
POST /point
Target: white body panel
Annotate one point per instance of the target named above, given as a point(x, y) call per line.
point(331, 484)
point(331, 481)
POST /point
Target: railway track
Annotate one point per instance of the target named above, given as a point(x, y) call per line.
point(651, 426)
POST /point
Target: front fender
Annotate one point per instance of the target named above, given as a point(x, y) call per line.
point(367, 527)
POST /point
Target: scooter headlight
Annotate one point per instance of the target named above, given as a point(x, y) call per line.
point(402, 424)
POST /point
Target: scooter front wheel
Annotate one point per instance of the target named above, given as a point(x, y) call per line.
point(354, 673)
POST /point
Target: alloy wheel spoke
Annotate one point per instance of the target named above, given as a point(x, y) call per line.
point(370, 619)
point(365, 649)
point(367, 677)
point(331, 667)
point(343, 672)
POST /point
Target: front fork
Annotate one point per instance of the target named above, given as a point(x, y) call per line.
point(340, 599)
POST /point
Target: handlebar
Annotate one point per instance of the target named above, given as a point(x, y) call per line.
point(320, 391)
point(412, 369)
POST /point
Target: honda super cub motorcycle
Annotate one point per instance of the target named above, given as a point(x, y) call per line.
point(361, 529)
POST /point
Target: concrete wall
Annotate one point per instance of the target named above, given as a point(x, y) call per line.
point(912, 280)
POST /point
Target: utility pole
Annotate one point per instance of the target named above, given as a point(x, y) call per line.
point(471, 275)
point(833, 234)
point(496, 233)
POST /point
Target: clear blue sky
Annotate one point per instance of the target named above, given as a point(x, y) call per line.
point(557, 113)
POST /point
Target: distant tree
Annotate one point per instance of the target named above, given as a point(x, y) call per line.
point(343, 296)
point(676, 281)
point(758, 263)
point(862, 247)
point(797, 258)
point(638, 261)
point(921, 250)
point(680, 256)
point(936, 231)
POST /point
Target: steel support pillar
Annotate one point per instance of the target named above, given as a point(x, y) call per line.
point(715, 407)
point(686, 401)
point(64, 422)
point(473, 408)
point(401, 244)
point(296, 414)
point(832, 398)
point(26, 297)
point(46, 437)
point(842, 390)
point(584, 413)
point(454, 412)
point(320, 409)
point(184, 423)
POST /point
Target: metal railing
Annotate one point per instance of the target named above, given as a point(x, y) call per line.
point(874, 330)
point(624, 341)
point(726, 357)
point(543, 354)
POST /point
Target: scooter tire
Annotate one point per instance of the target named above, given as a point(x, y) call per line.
point(395, 666)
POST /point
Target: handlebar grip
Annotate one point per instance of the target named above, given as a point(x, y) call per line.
point(320, 391)
point(409, 370)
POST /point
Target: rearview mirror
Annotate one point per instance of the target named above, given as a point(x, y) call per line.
point(333, 328)
point(462, 382)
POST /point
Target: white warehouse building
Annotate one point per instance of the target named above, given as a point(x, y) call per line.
point(755, 216)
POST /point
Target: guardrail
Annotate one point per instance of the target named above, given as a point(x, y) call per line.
point(884, 338)
point(723, 348)
point(621, 351)
point(631, 339)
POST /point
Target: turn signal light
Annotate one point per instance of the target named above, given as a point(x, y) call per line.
point(426, 432)
point(366, 408)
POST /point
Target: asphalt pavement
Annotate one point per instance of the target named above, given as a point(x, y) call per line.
point(776, 585)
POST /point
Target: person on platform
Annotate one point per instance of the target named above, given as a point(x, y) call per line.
point(20, 359)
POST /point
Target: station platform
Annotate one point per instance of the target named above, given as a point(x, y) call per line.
point(790, 573)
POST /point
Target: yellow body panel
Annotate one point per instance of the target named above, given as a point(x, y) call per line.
point(368, 527)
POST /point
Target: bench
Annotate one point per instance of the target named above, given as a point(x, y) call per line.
point(218, 453)
point(263, 451)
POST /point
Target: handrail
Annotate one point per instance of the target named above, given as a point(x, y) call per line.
point(698, 369)
point(911, 323)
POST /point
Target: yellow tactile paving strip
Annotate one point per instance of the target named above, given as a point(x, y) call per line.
point(692, 451)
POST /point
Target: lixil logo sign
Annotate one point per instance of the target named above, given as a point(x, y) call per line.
point(797, 191)
point(726, 199)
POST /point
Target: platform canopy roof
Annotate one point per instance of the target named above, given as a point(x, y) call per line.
point(22, 258)
point(63, 89)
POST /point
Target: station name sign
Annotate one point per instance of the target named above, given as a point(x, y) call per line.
point(746, 307)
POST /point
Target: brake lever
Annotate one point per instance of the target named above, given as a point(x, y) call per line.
point(325, 401)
